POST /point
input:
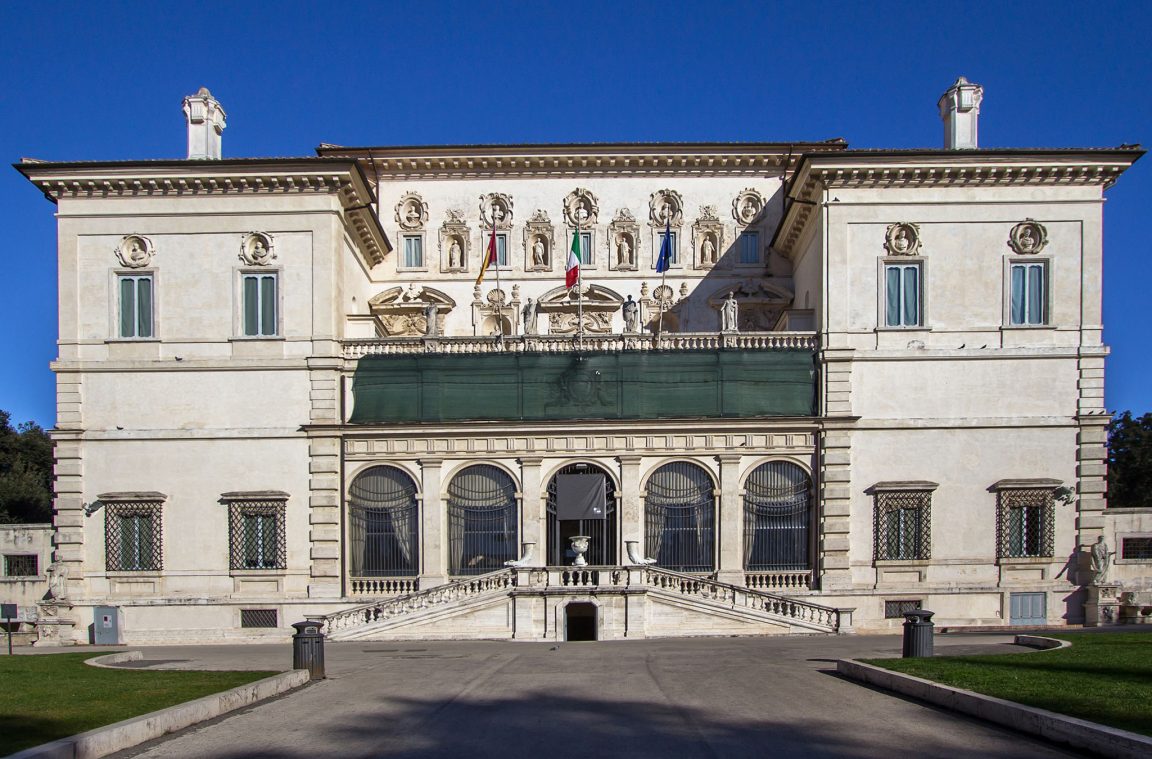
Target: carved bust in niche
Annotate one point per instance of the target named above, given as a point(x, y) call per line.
point(411, 212)
point(902, 239)
point(256, 250)
point(1028, 237)
point(747, 206)
point(135, 251)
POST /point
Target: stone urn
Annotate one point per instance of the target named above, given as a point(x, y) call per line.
point(580, 547)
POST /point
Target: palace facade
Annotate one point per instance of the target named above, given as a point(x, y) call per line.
point(867, 381)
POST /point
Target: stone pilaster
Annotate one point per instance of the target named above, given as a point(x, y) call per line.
point(324, 505)
point(631, 516)
point(1091, 448)
point(730, 559)
point(433, 525)
point(834, 489)
point(534, 520)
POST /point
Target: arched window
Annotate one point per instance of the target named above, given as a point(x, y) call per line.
point(602, 547)
point(385, 524)
point(482, 525)
point(777, 517)
point(679, 517)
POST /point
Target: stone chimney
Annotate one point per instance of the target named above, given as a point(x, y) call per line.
point(205, 123)
point(960, 110)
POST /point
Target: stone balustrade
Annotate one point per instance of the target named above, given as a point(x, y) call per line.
point(383, 586)
point(681, 341)
point(781, 580)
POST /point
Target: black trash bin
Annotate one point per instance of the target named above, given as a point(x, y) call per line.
point(308, 648)
point(918, 633)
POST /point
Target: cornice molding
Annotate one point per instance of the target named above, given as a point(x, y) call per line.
point(819, 173)
point(343, 178)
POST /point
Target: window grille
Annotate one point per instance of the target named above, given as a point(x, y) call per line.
point(602, 547)
point(897, 609)
point(257, 533)
point(258, 618)
point(21, 565)
point(902, 526)
point(482, 522)
point(384, 527)
point(1139, 549)
point(777, 518)
point(1025, 523)
point(133, 539)
point(679, 517)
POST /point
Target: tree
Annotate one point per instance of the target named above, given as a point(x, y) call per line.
point(25, 472)
point(1130, 461)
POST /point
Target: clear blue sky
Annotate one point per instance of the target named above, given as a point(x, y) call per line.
point(104, 81)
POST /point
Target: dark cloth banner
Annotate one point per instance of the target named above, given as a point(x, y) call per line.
point(580, 496)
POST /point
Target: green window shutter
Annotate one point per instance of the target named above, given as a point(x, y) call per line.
point(268, 305)
point(251, 305)
point(127, 307)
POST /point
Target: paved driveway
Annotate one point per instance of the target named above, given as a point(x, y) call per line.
point(728, 697)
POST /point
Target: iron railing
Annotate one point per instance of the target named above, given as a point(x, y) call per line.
point(777, 518)
point(680, 516)
point(482, 522)
point(256, 535)
point(1025, 525)
point(384, 524)
point(902, 525)
point(602, 546)
point(133, 539)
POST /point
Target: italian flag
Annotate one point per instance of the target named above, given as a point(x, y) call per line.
point(572, 268)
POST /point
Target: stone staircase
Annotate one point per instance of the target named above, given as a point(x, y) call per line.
point(650, 601)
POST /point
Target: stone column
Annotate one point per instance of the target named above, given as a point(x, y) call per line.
point(534, 520)
point(631, 515)
point(433, 525)
point(730, 521)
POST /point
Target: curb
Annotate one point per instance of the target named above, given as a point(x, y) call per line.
point(136, 730)
point(1058, 728)
point(109, 661)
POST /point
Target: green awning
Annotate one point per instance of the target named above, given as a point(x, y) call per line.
point(548, 387)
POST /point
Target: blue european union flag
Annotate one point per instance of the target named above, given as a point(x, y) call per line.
point(665, 256)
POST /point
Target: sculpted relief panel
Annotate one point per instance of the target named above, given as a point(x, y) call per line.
point(902, 239)
point(256, 249)
point(135, 251)
point(747, 206)
point(1028, 237)
point(411, 212)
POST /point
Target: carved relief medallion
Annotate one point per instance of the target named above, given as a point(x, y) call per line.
point(902, 239)
point(411, 212)
point(581, 209)
point(496, 205)
point(1028, 237)
point(666, 207)
point(257, 249)
point(747, 206)
point(135, 251)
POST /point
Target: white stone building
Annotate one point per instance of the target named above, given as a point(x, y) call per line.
point(282, 392)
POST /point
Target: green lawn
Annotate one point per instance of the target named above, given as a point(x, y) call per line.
point(1103, 677)
point(51, 696)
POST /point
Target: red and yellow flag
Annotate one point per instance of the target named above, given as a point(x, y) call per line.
point(489, 257)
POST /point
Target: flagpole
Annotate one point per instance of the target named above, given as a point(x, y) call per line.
point(580, 290)
point(663, 275)
point(496, 254)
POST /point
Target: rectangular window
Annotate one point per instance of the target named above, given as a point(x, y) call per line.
point(1025, 526)
point(413, 251)
point(903, 525)
point(1028, 297)
point(135, 305)
point(257, 537)
point(902, 295)
point(750, 248)
point(674, 257)
point(897, 609)
point(260, 304)
point(501, 251)
point(21, 565)
point(132, 537)
point(258, 618)
point(586, 249)
point(1139, 549)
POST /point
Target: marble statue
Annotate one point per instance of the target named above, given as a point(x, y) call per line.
point(1101, 560)
point(526, 557)
point(529, 314)
point(1027, 239)
point(729, 312)
point(634, 555)
point(708, 251)
point(901, 243)
point(631, 311)
point(57, 580)
point(454, 254)
point(430, 313)
point(538, 252)
point(623, 252)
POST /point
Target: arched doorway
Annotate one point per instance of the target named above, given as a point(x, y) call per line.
point(482, 521)
point(680, 517)
point(602, 547)
point(777, 518)
point(384, 524)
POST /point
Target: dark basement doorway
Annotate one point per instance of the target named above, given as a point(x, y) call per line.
point(580, 622)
